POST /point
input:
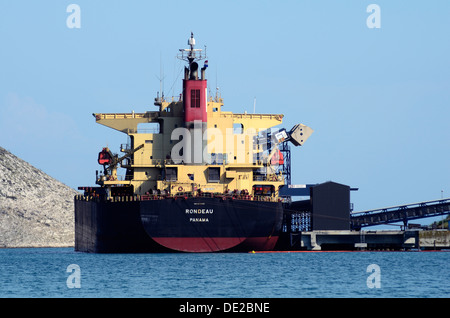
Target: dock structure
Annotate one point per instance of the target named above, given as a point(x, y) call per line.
point(401, 213)
point(325, 221)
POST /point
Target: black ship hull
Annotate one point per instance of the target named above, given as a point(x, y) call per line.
point(196, 224)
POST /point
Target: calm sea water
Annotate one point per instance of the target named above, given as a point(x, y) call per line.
point(44, 272)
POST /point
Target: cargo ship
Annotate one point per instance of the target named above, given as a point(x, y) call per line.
point(192, 176)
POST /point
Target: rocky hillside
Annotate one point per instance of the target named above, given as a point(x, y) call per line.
point(35, 209)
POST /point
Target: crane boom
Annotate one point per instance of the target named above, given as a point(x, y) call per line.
point(297, 136)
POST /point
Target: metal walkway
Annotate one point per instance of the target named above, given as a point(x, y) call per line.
point(400, 213)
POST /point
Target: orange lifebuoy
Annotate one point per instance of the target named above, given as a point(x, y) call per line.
point(180, 188)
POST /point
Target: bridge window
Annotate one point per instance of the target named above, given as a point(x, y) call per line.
point(238, 128)
point(148, 128)
point(195, 98)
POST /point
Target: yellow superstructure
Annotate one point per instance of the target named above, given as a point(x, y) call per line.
point(149, 163)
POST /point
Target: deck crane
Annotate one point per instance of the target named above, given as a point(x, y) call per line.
point(110, 160)
point(297, 136)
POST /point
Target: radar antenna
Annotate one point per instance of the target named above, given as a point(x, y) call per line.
point(191, 54)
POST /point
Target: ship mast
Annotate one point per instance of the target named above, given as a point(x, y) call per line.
point(194, 103)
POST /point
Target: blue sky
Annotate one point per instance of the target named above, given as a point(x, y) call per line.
point(377, 99)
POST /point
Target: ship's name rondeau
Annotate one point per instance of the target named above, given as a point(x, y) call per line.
point(199, 211)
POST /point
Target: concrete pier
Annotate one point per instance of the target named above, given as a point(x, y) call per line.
point(371, 240)
point(434, 239)
point(357, 240)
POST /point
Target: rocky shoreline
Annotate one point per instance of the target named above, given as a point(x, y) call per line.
point(36, 210)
